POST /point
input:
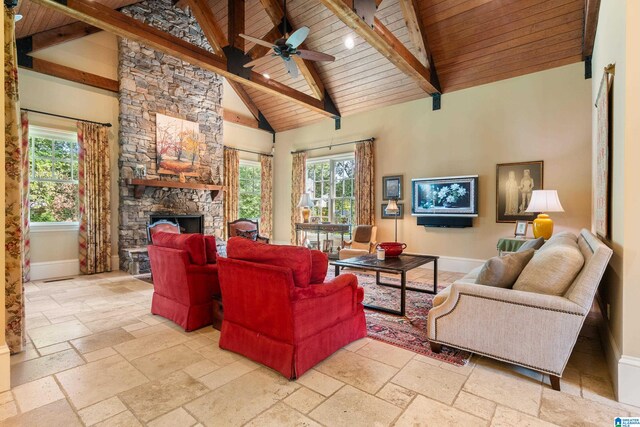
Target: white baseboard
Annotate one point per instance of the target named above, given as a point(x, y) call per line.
point(456, 264)
point(628, 380)
point(5, 368)
point(54, 269)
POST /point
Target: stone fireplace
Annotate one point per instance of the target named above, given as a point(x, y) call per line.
point(150, 83)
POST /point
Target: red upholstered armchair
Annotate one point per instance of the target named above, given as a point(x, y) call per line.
point(278, 311)
point(185, 278)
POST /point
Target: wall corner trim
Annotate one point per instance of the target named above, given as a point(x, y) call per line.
point(5, 368)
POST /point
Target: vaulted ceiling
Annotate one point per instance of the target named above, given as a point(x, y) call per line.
point(471, 42)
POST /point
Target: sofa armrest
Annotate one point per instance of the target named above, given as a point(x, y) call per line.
point(532, 330)
point(326, 289)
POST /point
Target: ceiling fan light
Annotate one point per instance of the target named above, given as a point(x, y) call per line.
point(349, 42)
point(17, 17)
point(266, 75)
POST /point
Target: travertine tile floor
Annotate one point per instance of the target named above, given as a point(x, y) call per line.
point(95, 356)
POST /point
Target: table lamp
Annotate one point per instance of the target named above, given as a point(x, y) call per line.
point(544, 201)
point(305, 203)
point(392, 208)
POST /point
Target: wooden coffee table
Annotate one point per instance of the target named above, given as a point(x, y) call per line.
point(397, 265)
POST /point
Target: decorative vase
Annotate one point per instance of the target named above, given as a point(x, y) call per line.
point(542, 227)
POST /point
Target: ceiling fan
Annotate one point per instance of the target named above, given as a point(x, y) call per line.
point(287, 49)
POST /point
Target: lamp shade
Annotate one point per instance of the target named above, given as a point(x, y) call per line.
point(392, 207)
point(305, 201)
point(544, 201)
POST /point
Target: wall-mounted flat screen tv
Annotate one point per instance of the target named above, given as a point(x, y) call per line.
point(445, 196)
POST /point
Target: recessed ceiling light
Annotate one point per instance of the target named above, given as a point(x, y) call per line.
point(17, 17)
point(349, 42)
point(266, 75)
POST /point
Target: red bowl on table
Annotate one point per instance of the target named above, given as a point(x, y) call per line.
point(392, 249)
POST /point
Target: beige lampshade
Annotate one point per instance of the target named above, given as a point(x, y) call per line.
point(544, 201)
point(305, 201)
point(392, 207)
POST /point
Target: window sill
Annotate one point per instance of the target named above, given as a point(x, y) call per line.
point(50, 227)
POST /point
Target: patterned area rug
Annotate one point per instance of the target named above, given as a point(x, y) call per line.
point(409, 332)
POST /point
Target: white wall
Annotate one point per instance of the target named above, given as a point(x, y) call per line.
point(55, 253)
point(542, 116)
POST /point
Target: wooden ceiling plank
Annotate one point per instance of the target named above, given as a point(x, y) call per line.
point(207, 22)
point(384, 42)
point(590, 25)
point(124, 26)
point(72, 74)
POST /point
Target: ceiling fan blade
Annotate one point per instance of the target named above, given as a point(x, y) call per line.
point(256, 41)
point(312, 55)
point(298, 37)
point(291, 67)
point(259, 61)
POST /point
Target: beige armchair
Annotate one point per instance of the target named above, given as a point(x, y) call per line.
point(363, 242)
point(536, 331)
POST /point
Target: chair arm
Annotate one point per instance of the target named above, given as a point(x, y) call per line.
point(325, 289)
point(346, 243)
point(262, 239)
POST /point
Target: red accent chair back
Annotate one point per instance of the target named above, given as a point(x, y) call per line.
point(185, 278)
point(162, 226)
point(278, 311)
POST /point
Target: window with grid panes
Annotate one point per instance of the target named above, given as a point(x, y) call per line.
point(331, 183)
point(249, 193)
point(53, 176)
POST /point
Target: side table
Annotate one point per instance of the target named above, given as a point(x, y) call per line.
point(511, 244)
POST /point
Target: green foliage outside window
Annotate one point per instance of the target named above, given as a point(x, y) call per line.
point(53, 186)
point(249, 196)
point(331, 183)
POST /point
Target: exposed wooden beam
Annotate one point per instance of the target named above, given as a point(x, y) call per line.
point(307, 68)
point(231, 117)
point(235, 23)
point(121, 25)
point(207, 21)
point(257, 50)
point(61, 34)
point(591, 9)
point(246, 99)
point(181, 4)
point(380, 38)
point(417, 34)
point(68, 73)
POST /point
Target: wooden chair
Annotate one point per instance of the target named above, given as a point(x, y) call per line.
point(245, 228)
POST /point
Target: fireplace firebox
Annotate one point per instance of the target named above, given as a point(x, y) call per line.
point(187, 223)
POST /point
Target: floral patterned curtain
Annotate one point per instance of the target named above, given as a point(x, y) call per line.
point(94, 179)
point(26, 207)
point(298, 184)
point(14, 180)
point(266, 194)
point(365, 188)
point(232, 185)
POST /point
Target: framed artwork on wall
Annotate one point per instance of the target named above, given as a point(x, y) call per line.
point(386, 215)
point(603, 159)
point(392, 187)
point(515, 183)
point(177, 146)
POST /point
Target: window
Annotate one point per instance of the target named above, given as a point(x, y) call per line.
point(331, 183)
point(53, 167)
point(249, 196)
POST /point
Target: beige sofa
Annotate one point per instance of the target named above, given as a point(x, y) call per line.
point(534, 330)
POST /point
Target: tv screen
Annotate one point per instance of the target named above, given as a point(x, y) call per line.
point(445, 196)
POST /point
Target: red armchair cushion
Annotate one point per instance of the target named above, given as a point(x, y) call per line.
point(319, 266)
point(297, 258)
point(193, 244)
point(211, 249)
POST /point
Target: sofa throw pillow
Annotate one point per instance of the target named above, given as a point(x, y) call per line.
point(502, 272)
point(248, 234)
point(532, 244)
point(551, 271)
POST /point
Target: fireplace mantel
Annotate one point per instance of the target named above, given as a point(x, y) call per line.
point(141, 184)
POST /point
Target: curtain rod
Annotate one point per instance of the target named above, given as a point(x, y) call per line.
point(334, 145)
point(249, 151)
point(65, 117)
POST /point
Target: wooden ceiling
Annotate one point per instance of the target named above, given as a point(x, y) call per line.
point(472, 42)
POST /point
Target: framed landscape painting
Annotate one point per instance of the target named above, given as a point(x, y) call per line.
point(515, 183)
point(177, 146)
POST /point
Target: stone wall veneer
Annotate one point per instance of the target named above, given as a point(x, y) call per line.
point(152, 82)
